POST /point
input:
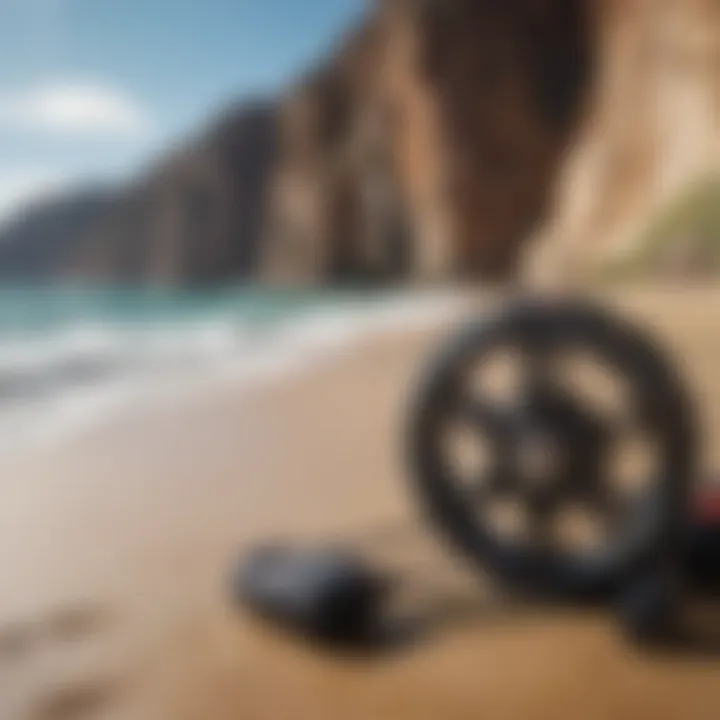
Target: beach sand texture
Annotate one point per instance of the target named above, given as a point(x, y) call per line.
point(115, 551)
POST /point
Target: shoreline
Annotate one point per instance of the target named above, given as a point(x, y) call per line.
point(132, 528)
point(290, 346)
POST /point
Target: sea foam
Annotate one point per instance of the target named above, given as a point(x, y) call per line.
point(69, 376)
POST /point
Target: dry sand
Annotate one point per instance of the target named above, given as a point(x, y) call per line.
point(115, 551)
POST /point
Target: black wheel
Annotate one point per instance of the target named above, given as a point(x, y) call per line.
point(505, 471)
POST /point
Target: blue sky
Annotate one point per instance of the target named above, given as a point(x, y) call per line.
point(91, 88)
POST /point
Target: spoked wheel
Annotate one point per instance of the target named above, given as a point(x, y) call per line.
point(554, 445)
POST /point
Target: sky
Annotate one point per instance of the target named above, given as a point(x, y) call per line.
point(91, 89)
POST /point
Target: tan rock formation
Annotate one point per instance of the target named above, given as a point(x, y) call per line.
point(335, 212)
point(197, 217)
point(652, 126)
point(443, 139)
point(457, 113)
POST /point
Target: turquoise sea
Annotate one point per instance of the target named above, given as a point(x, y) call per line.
point(69, 355)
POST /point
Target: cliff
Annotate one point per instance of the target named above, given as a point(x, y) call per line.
point(650, 131)
point(44, 237)
point(469, 139)
point(427, 149)
point(196, 217)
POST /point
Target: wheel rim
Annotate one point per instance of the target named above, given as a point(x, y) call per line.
point(578, 475)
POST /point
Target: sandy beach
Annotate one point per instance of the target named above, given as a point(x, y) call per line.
point(115, 550)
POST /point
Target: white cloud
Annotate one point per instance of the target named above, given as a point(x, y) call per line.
point(73, 108)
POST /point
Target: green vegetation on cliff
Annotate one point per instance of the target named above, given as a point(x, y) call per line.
point(683, 240)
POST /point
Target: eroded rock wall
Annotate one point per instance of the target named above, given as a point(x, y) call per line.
point(441, 140)
point(653, 125)
point(427, 149)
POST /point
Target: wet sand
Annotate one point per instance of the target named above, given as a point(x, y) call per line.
point(116, 549)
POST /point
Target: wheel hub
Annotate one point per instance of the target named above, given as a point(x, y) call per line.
point(538, 464)
point(557, 447)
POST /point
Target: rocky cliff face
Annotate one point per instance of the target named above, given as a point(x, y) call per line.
point(443, 139)
point(336, 211)
point(198, 217)
point(44, 238)
point(488, 138)
point(428, 148)
point(652, 126)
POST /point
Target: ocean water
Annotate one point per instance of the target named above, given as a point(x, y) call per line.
point(70, 357)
